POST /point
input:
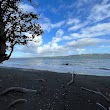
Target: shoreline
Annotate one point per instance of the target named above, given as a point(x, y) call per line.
point(29, 69)
point(54, 93)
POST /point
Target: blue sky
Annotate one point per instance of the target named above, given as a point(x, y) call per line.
point(70, 27)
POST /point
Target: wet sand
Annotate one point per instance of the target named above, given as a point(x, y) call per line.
point(53, 93)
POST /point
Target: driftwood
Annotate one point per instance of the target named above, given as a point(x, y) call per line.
point(40, 80)
point(98, 92)
point(18, 101)
point(72, 79)
point(17, 89)
point(108, 94)
point(101, 105)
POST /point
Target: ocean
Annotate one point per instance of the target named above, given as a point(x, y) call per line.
point(90, 64)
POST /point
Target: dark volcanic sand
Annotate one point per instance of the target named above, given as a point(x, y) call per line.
point(53, 92)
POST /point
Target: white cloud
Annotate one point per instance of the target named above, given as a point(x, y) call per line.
point(84, 42)
point(59, 33)
point(58, 24)
point(38, 42)
point(77, 26)
point(100, 11)
point(36, 49)
point(31, 47)
point(92, 31)
point(52, 48)
point(97, 30)
point(80, 51)
point(47, 25)
point(27, 7)
point(81, 3)
point(72, 21)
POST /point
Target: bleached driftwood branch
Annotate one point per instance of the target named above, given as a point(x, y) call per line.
point(17, 89)
point(72, 79)
point(17, 102)
point(97, 92)
point(101, 105)
point(40, 80)
point(108, 94)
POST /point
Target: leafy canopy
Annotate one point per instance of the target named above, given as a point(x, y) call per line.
point(15, 25)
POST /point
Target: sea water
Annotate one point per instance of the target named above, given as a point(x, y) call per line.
point(91, 64)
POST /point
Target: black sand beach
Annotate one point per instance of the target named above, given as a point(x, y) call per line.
point(53, 93)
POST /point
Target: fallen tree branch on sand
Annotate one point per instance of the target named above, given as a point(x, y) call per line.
point(101, 105)
point(108, 94)
point(98, 92)
point(40, 80)
point(72, 79)
point(18, 101)
point(17, 89)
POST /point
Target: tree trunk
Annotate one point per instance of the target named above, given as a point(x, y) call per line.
point(2, 37)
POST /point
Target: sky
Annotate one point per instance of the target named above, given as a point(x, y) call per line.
point(70, 27)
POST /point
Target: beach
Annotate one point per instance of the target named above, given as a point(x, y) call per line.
point(54, 92)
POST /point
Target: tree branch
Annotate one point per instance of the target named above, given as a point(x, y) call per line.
point(101, 105)
point(72, 79)
point(98, 92)
point(12, 48)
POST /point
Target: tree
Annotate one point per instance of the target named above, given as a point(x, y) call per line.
point(14, 24)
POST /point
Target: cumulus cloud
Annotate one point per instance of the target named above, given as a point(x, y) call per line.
point(52, 48)
point(58, 37)
point(31, 47)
